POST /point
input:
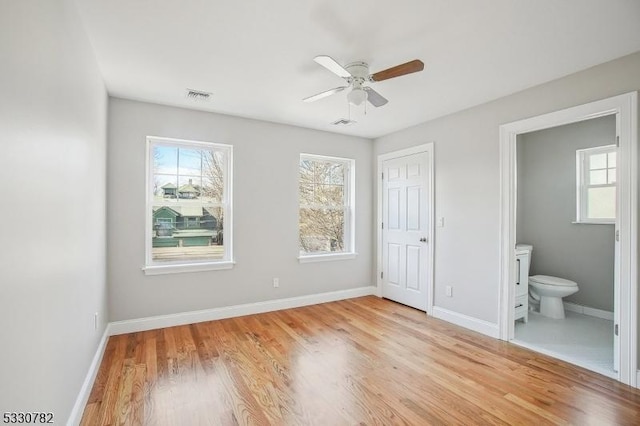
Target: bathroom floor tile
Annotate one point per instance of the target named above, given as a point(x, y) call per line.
point(581, 339)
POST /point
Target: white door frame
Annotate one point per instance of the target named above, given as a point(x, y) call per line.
point(428, 148)
point(625, 108)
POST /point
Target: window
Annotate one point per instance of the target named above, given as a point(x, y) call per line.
point(326, 217)
point(596, 184)
point(188, 206)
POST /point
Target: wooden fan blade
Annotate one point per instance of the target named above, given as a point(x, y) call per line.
point(375, 98)
point(324, 94)
point(403, 69)
point(329, 63)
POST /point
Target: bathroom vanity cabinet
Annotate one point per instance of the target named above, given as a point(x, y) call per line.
point(522, 285)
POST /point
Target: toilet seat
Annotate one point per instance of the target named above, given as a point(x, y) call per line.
point(552, 281)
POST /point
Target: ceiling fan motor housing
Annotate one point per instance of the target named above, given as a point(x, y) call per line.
point(359, 75)
point(359, 72)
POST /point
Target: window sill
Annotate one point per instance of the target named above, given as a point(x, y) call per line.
point(586, 222)
point(187, 267)
point(326, 257)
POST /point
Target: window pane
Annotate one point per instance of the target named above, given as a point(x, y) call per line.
point(329, 195)
point(307, 171)
point(601, 203)
point(189, 188)
point(611, 159)
point(213, 175)
point(187, 233)
point(598, 177)
point(598, 161)
point(165, 187)
point(321, 230)
point(165, 160)
point(337, 174)
point(611, 178)
point(306, 193)
point(325, 172)
point(190, 161)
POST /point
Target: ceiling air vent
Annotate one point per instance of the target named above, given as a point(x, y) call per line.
point(198, 95)
point(344, 122)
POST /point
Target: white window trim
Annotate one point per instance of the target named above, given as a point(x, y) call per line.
point(227, 262)
point(350, 214)
point(581, 187)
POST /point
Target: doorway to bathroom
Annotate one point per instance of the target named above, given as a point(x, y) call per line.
point(582, 256)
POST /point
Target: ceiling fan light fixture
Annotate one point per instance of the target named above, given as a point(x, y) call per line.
point(357, 96)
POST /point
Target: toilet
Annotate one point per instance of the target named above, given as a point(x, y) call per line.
point(548, 291)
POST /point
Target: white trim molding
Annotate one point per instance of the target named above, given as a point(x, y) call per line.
point(187, 267)
point(327, 257)
point(625, 109)
point(192, 317)
point(83, 396)
point(484, 327)
point(429, 149)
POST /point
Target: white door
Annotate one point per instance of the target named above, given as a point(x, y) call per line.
point(405, 225)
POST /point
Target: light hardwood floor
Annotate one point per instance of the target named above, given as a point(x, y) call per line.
point(359, 361)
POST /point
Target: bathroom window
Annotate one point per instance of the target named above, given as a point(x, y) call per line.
point(596, 184)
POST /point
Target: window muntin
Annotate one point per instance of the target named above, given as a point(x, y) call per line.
point(326, 205)
point(596, 184)
point(188, 203)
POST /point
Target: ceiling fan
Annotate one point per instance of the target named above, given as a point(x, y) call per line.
point(356, 74)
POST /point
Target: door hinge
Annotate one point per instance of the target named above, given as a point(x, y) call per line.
point(617, 235)
point(615, 329)
point(382, 225)
point(381, 275)
point(382, 176)
point(618, 141)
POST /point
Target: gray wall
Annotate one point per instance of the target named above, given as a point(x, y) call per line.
point(467, 173)
point(547, 207)
point(266, 158)
point(52, 257)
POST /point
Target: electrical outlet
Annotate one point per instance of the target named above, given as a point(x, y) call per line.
point(276, 282)
point(95, 321)
point(449, 291)
point(440, 222)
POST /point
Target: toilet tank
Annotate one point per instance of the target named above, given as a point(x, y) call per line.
point(524, 247)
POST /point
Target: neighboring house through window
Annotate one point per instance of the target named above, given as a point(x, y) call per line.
point(596, 184)
point(188, 206)
point(326, 217)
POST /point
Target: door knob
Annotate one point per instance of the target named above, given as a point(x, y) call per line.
point(423, 240)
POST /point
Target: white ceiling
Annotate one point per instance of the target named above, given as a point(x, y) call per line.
point(256, 56)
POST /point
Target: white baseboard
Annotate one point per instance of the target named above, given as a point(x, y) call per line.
point(481, 326)
point(161, 321)
point(87, 385)
point(585, 310)
point(638, 379)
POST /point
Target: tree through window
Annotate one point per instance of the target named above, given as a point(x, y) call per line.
point(325, 215)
